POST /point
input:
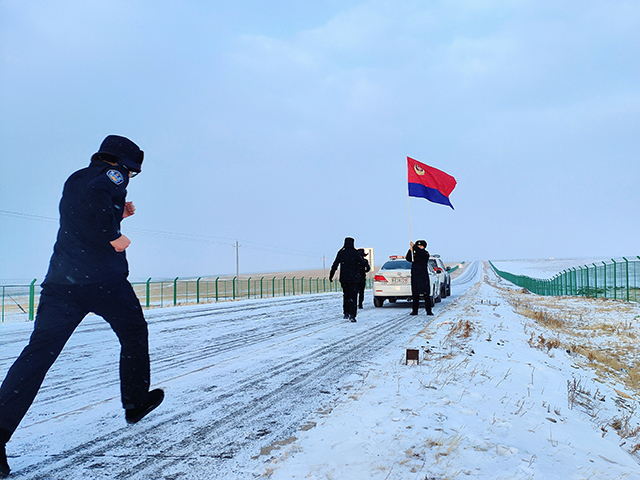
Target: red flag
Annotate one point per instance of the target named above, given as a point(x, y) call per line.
point(430, 183)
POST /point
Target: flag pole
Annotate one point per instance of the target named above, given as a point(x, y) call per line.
point(409, 208)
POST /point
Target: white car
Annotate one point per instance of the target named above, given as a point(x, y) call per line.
point(393, 282)
point(443, 274)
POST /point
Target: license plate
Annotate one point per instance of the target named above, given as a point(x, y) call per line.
point(399, 280)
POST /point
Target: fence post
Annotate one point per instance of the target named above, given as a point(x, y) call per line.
point(217, 278)
point(635, 281)
point(32, 299)
point(273, 286)
point(148, 291)
point(293, 285)
point(175, 291)
point(249, 288)
point(605, 279)
point(615, 280)
point(627, 267)
point(234, 287)
point(261, 289)
point(284, 286)
point(595, 277)
point(302, 286)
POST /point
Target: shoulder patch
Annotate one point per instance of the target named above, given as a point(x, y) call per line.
point(115, 176)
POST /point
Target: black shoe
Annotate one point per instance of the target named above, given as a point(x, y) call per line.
point(430, 313)
point(4, 466)
point(154, 399)
point(360, 306)
point(413, 313)
point(353, 319)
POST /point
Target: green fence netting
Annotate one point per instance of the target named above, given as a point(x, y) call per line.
point(617, 279)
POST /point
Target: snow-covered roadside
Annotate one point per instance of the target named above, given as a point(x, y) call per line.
point(492, 398)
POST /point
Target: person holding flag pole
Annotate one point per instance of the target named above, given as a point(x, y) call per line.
point(436, 186)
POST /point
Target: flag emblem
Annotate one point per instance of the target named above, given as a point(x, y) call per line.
point(430, 183)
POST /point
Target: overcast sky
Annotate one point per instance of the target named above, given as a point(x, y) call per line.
point(286, 125)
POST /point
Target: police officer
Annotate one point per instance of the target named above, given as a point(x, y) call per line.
point(363, 278)
point(350, 262)
point(87, 273)
point(420, 285)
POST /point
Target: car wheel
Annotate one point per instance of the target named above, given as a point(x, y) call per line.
point(432, 301)
point(378, 301)
point(449, 288)
point(392, 300)
point(438, 299)
point(443, 291)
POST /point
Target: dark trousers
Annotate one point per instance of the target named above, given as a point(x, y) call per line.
point(350, 298)
point(361, 287)
point(61, 309)
point(421, 290)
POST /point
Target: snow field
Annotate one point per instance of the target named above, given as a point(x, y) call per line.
point(483, 403)
point(510, 385)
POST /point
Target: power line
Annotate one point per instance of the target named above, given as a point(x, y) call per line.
point(186, 237)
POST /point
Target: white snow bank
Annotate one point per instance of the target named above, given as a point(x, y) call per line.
point(482, 404)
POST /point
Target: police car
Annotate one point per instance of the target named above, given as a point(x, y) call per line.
point(443, 274)
point(393, 282)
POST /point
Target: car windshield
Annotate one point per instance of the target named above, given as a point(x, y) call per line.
point(433, 263)
point(397, 265)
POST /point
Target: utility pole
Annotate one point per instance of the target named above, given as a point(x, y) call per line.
point(324, 270)
point(237, 247)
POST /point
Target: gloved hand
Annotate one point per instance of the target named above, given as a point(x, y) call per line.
point(330, 280)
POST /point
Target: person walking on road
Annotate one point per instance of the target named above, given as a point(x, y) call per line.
point(363, 278)
point(87, 273)
point(420, 285)
point(350, 262)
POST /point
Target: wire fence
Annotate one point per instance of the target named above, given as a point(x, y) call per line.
point(20, 302)
point(617, 279)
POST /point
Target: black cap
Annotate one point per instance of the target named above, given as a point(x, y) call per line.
point(122, 151)
point(421, 243)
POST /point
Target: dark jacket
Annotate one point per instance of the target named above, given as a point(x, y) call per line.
point(91, 210)
point(363, 268)
point(350, 262)
point(419, 259)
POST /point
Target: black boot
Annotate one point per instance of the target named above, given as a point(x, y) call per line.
point(4, 465)
point(134, 415)
point(413, 313)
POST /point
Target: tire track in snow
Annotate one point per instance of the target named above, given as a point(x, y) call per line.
point(163, 361)
point(271, 403)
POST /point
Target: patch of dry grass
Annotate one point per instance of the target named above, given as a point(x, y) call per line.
point(602, 332)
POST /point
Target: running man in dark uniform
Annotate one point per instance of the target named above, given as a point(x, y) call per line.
point(87, 273)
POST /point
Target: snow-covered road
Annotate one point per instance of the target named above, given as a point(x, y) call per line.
point(240, 379)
